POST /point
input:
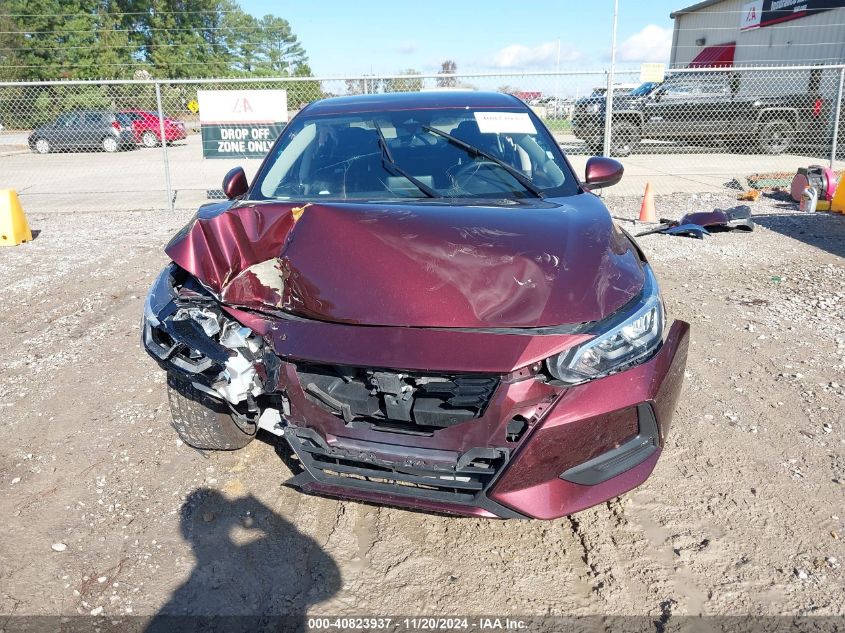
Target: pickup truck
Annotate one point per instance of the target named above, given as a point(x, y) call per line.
point(700, 109)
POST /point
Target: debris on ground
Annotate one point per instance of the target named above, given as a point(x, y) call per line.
point(701, 223)
point(749, 196)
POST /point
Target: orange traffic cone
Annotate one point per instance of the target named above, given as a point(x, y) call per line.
point(647, 213)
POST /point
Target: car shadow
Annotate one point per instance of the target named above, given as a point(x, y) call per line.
point(254, 570)
point(824, 230)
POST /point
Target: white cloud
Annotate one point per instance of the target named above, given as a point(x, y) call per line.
point(652, 44)
point(519, 56)
point(406, 48)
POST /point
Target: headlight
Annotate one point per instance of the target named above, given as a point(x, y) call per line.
point(631, 338)
point(593, 108)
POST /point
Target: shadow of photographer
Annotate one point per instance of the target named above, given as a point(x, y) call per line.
point(254, 570)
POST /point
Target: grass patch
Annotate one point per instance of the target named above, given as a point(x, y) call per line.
point(558, 125)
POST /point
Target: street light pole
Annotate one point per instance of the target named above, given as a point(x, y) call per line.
point(608, 109)
point(557, 82)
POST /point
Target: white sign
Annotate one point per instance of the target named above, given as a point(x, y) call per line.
point(749, 18)
point(243, 106)
point(241, 123)
point(504, 123)
point(652, 72)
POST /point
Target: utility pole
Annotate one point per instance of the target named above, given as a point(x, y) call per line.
point(608, 110)
point(557, 82)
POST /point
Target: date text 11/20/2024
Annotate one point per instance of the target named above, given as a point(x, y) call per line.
point(422, 623)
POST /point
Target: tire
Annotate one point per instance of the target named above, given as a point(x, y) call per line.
point(624, 137)
point(740, 145)
point(205, 422)
point(42, 146)
point(149, 139)
point(110, 144)
point(775, 137)
point(595, 149)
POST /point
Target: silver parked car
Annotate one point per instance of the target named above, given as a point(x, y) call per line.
point(83, 130)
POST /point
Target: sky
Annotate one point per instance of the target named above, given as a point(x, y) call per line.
point(388, 37)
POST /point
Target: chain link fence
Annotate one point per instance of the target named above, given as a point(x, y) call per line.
point(98, 145)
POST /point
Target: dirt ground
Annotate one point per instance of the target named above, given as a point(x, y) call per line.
point(744, 513)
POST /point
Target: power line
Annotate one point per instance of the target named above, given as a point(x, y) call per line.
point(115, 13)
point(255, 29)
point(131, 46)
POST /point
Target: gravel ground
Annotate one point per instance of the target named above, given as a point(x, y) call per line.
point(106, 512)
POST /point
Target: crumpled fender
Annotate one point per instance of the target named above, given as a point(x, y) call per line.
point(236, 253)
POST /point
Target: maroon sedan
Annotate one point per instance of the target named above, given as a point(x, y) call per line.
point(146, 126)
point(422, 299)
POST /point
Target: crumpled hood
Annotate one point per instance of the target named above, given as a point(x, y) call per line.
point(426, 264)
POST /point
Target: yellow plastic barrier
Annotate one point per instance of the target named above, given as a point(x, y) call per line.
point(838, 202)
point(14, 229)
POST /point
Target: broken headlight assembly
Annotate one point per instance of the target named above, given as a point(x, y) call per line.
point(631, 337)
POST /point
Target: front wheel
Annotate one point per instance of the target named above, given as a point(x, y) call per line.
point(205, 422)
point(149, 139)
point(42, 146)
point(595, 149)
point(624, 137)
point(740, 145)
point(110, 144)
point(775, 137)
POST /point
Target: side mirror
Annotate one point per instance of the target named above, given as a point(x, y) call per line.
point(235, 183)
point(602, 172)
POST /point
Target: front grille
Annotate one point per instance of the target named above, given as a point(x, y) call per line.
point(398, 401)
point(462, 482)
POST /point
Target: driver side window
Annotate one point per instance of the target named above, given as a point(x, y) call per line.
point(679, 89)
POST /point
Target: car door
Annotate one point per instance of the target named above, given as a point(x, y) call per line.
point(93, 128)
point(65, 130)
point(666, 113)
point(77, 131)
point(710, 106)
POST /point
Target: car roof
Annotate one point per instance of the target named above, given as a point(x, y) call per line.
point(415, 101)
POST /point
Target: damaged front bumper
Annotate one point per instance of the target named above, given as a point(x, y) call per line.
point(487, 434)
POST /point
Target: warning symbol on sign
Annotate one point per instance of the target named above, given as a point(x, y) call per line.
point(242, 106)
point(750, 16)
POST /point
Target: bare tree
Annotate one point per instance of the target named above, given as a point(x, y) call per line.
point(367, 85)
point(406, 84)
point(447, 68)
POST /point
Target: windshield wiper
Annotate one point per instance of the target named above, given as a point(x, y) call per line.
point(472, 149)
point(390, 164)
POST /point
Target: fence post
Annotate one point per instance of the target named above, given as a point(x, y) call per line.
point(608, 96)
point(836, 115)
point(170, 201)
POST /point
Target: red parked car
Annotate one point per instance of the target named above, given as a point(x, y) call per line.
point(146, 126)
point(422, 299)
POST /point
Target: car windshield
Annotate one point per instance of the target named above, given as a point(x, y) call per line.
point(448, 153)
point(644, 89)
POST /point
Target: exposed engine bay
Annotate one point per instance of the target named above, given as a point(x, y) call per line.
point(396, 399)
point(229, 361)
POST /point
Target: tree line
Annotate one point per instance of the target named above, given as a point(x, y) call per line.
point(124, 39)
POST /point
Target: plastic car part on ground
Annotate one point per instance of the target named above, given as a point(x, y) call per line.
point(703, 223)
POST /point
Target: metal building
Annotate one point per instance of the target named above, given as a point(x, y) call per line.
point(759, 32)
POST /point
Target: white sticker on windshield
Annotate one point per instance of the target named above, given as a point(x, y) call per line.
point(504, 123)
